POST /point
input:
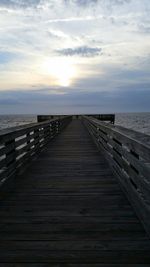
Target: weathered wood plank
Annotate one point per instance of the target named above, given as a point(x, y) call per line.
point(71, 265)
point(62, 256)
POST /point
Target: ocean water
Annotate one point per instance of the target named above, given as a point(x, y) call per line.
point(7, 121)
point(136, 121)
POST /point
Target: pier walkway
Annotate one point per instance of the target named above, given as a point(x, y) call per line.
point(67, 209)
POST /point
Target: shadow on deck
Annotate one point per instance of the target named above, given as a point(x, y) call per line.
point(68, 209)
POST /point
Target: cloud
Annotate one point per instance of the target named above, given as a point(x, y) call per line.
point(92, 2)
point(6, 57)
point(51, 3)
point(86, 2)
point(119, 2)
point(19, 4)
point(83, 51)
point(7, 101)
point(76, 102)
point(144, 28)
point(81, 2)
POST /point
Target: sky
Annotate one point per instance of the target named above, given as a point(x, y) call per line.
point(74, 56)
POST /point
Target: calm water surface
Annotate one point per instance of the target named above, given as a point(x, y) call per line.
point(136, 121)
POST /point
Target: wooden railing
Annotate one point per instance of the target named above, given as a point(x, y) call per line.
point(128, 153)
point(42, 118)
point(104, 117)
point(101, 117)
point(19, 145)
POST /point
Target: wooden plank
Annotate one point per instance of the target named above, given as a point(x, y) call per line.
point(72, 265)
point(75, 245)
point(78, 225)
point(60, 256)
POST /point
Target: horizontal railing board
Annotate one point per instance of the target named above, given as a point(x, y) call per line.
point(128, 152)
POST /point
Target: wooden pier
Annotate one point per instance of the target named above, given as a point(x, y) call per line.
point(70, 206)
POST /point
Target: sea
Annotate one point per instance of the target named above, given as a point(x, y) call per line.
point(136, 121)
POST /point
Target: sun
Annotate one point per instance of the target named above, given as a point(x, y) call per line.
point(61, 70)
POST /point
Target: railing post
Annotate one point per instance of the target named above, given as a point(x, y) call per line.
point(57, 126)
point(54, 128)
point(36, 138)
point(10, 157)
point(28, 143)
point(46, 133)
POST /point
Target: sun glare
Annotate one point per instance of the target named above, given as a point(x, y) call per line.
point(61, 70)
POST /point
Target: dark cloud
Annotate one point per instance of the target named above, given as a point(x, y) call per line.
point(144, 28)
point(83, 51)
point(34, 3)
point(120, 2)
point(14, 4)
point(21, 3)
point(86, 2)
point(91, 2)
point(42, 101)
point(81, 2)
point(8, 101)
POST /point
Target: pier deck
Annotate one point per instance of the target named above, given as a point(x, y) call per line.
point(67, 209)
